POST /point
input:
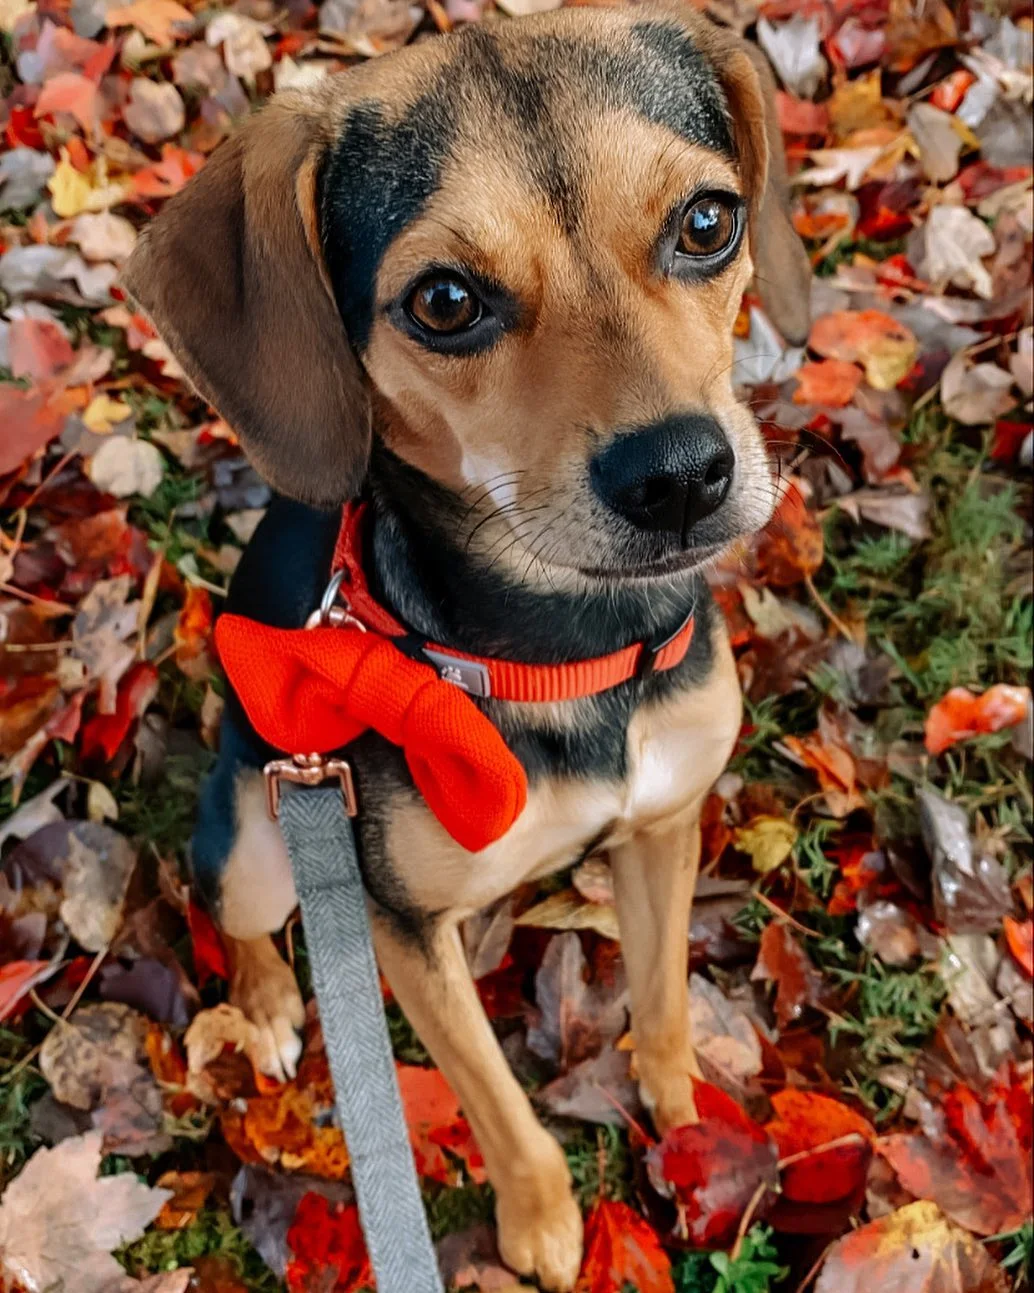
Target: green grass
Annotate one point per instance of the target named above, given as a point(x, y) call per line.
point(755, 1269)
point(19, 1088)
point(163, 814)
point(211, 1233)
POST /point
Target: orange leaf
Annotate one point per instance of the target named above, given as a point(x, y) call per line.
point(193, 633)
point(1019, 934)
point(782, 961)
point(17, 977)
point(805, 1122)
point(885, 348)
point(835, 768)
point(622, 1249)
point(38, 349)
point(73, 93)
point(436, 1124)
point(831, 381)
point(960, 714)
point(190, 1191)
point(791, 545)
point(155, 18)
point(166, 177)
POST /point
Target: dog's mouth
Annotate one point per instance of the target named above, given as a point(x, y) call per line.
point(677, 564)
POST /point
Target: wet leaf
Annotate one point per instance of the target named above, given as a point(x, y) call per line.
point(805, 1127)
point(782, 961)
point(975, 1165)
point(970, 889)
point(961, 714)
point(715, 1168)
point(913, 1250)
point(327, 1237)
point(621, 1249)
point(576, 1019)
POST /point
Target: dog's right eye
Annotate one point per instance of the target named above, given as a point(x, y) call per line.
point(443, 305)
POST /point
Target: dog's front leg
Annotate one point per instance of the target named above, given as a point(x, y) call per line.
point(654, 878)
point(540, 1227)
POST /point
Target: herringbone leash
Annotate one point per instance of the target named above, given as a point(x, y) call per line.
point(323, 855)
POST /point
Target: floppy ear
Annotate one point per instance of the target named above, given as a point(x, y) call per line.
point(232, 275)
point(781, 264)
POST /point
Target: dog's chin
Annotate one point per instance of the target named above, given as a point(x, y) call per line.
point(658, 569)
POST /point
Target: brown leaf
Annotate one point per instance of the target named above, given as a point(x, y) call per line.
point(98, 864)
point(575, 1019)
point(59, 1223)
point(190, 1191)
point(567, 910)
point(782, 961)
point(970, 889)
point(913, 1250)
point(77, 1057)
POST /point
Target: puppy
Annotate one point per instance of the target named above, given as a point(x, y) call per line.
point(488, 283)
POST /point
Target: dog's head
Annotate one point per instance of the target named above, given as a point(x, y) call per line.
point(517, 254)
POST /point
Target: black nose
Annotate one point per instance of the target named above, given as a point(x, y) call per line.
point(667, 476)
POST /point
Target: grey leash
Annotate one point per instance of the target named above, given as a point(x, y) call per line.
point(323, 855)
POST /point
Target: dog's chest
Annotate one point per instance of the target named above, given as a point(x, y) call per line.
point(674, 753)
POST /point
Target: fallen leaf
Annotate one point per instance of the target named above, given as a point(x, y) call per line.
point(805, 1123)
point(893, 934)
point(600, 1089)
point(960, 714)
point(18, 977)
point(913, 1250)
point(74, 94)
point(103, 734)
point(157, 19)
point(976, 394)
point(97, 866)
point(37, 349)
point(938, 139)
point(265, 1203)
point(970, 889)
point(714, 1168)
point(124, 465)
point(76, 1059)
point(790, 548)
point(826, 753)
point(244, 48)
point(949, 249)
point(59, 1222)
point(327, 1237)
point(103, 621)
point(782, 961)
point(103, 236)
point(190, 1191)
point(469, 1259)
point(976, 1165)
point(832, 382)
point(154, 110)
point(893, 509)
point(724, 1039)
point(885, 348)
point(768, 840)
point(621, 1249)
point(435, 1124)
point(793, 48)
point(566, 909)
point(193, 634)
point(103, 414)
point(575, 1019)
point(1019, 935)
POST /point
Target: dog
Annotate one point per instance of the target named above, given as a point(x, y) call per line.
point(489, 283)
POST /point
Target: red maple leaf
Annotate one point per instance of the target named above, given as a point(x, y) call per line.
point(621, 1249)
point(436, 1124)
point(977, 1166)
point(326, 1237)
point(830, 1143)
point(715, 1167)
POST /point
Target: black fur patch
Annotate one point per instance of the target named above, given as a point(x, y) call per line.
point(380, 174)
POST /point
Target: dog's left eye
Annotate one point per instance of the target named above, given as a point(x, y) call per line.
point(443, 305)
point(708, 227)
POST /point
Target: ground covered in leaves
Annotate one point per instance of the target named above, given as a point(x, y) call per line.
point(862, 945)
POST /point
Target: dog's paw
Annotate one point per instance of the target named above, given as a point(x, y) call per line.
point(540, 1234)
point(265, 989)
point(666, 1089)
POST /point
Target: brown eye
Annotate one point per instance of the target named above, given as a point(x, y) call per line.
point(708, 227)
point(443, 305)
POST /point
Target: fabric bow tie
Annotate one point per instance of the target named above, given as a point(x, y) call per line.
point(315, 690)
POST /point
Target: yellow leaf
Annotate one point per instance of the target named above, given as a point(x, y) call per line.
point(768, 840)
point(11, 11)
point(102, 413)
point(69, 189)
point(566, 910)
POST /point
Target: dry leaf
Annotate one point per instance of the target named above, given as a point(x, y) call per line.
point(59, 1222)
point(154, 110)
point(568, 910)
point(157, 19)
point(97, 869)
point(950, 246)
point(975, 394)
point(124, 466)
point(768, 840)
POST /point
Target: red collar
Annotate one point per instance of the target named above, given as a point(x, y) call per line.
point(315, 690)
point(484, 675)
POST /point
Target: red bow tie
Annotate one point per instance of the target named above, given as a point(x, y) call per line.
point(318, 689)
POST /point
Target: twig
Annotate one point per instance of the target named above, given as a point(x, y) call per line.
point(77, 995)
point(647, 1138)
point(852, 1138)
point(827, 610)
point(747, 1218)
point(816, 1268)
point(778, 912)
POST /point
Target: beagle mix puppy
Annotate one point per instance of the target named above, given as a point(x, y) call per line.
point(489, 284)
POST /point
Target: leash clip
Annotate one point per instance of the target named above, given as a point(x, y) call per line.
point(308, 770)
point(329, 613)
